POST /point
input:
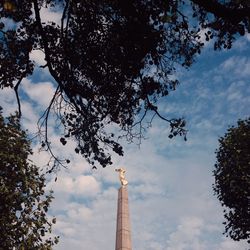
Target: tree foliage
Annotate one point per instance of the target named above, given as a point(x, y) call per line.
point(112, 60)
point(23, 202)
point(232, 179)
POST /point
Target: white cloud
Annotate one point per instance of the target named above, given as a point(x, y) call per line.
point(187, 235)
point(50, 15)
point(82, 222)
point(239, 66)
point(29, 116)
point(8, 101)
point(38, 56)
point(83, 185)
point(41, 93)
point(74, 212)
point(232, 245)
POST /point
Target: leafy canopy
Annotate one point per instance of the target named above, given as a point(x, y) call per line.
point(112, 60)
point(23, 202)
point(232, 179)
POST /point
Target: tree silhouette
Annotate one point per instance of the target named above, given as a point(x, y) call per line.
point(112, 60)
point(232, 179)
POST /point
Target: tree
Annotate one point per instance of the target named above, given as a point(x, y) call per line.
point(232, 179)
point(112, 60)
point(23, 202)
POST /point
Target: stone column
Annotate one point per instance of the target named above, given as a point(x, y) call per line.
point(123, 234)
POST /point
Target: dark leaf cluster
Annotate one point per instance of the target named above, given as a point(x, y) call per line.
point(232, 179)
point(112, 60)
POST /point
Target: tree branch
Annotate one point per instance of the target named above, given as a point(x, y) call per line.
point(234, 16)
point(17, 96)
point(63, 16)
point(44, 123)
point(154, 108)
point(47, 55)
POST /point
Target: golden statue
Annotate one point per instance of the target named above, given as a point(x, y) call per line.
point(122, 172)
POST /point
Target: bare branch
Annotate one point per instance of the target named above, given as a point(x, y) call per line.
point(43, 121)
point(17, 97)
point(154, 108)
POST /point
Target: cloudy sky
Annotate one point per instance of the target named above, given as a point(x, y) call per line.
point(171, 200)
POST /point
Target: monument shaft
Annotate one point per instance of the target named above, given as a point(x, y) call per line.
point(123, 231)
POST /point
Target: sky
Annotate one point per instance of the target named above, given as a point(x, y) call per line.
point(171, 200)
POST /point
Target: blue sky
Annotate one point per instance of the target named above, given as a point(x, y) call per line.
point(172, 206)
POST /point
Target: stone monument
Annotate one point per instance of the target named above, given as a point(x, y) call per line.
point(123, 231)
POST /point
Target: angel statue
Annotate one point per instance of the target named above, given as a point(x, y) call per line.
point(122, 171)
